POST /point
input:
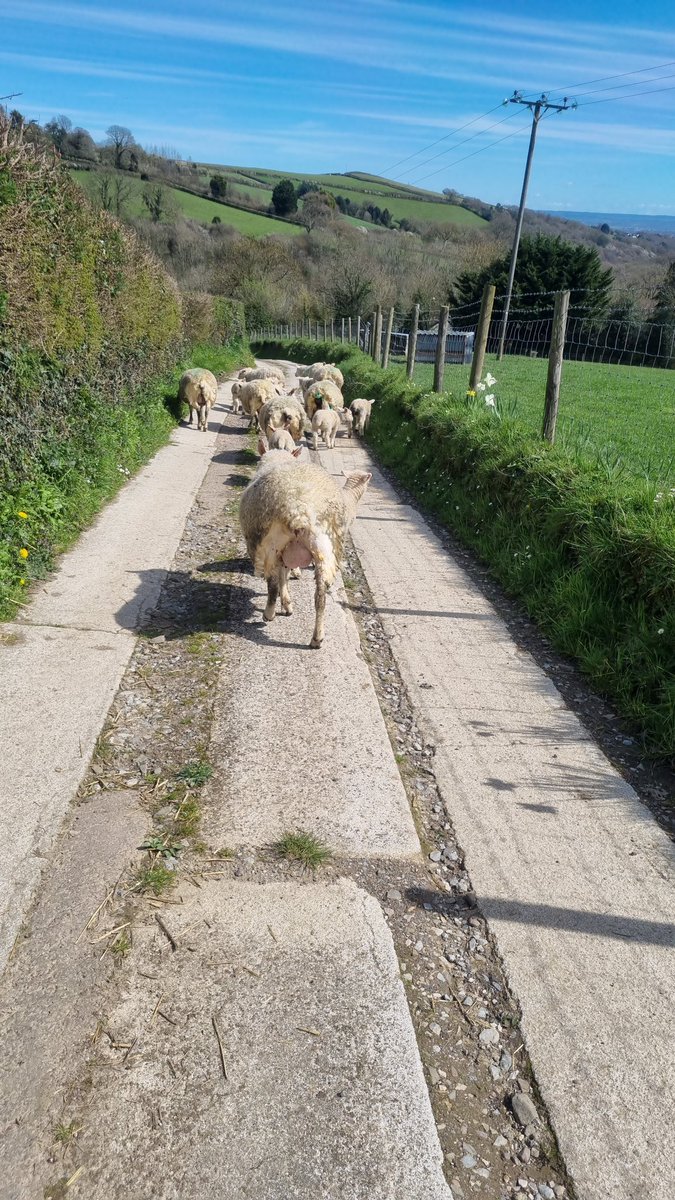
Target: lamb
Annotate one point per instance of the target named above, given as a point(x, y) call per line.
point(322, 394)
point(347, 420)
point(236, 402)
point(254, 394)
point(280, 439)
point(198, 388)
point(293, 514)
point(361, 413)
point(326, 422)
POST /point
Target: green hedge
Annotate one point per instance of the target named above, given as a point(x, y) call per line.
point(592, 559)
point(93, 336)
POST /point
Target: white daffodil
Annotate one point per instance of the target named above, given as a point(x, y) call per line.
point(490, 380)
point(480, 387)
point(490, 401)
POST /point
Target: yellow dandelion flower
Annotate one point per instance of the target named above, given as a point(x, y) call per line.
point(23, 515)
point(22, 582)
point(23, 553)
point(471, 392)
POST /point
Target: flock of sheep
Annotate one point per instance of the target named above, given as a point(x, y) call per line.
point(293, 514)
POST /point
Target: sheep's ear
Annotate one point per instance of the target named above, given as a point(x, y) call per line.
point(297, 453)
point(262, 448)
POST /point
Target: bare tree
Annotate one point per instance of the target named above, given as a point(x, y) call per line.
point(104, 190)
point(158, 201)
point(317, 210)
point(120, 139)
point(121, 190)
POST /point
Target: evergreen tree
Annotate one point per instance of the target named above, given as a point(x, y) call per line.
point(284, 199)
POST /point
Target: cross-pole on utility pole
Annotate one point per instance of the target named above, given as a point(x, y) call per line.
point(537, 108)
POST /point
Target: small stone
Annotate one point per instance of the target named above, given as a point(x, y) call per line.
point(495, 1072)
point(482, 1014)
point(434, 1077)
point(435, 1029)
point(522, 1183)
point(467, 1001)
point(489, 1037)
point(546, 1192)
point(435, 856)
point(394, 894)
point(506, 1062)
point(468, 1161)
point(464, 885)
point(525, 1154)
point(559, 1192)
point(499, 1142)
point(483, 1172)
point(523, 1109)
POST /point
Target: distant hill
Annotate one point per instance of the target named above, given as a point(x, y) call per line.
point(627, 222)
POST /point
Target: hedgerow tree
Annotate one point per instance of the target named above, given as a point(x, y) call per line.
point(545, 265)
point(218, 186)
point(284, 199)
point(120, 139)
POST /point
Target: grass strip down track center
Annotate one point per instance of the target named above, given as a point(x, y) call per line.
point(593, 560)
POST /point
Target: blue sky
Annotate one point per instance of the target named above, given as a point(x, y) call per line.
point(363, 84)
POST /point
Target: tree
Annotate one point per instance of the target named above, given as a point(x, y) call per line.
point(104, 190)
point(662, 337)
point(58, 129)
point(158, 201)
point(318, 210)
point(80, 145)
point(121, 140)
point(284, 199)
point(218, 186)
point(545, 265)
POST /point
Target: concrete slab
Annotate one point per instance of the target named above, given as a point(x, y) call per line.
point(320, 1093)
point(52, 995)
point(299, 737)
point(63, 659)
point(575, 876)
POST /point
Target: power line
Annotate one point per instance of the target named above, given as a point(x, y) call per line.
point(633, 96)
point(473, 154)
point(442, 139)
point(623, 75)
point(462, 143)
point(620, 86)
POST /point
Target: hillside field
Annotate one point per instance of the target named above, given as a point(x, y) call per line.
point(623, 415)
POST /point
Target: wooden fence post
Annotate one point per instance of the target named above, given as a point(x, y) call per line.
point(482, 331)
point(373, 323)
point(332, 330)
point(342, 329)
point(358, 332)
point(555, 362)
point(387, 339)
point(412, 341)
point(349, 330)
point(439, 367)
point(377, 335)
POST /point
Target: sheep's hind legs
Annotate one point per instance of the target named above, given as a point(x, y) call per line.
point(272, 597)
point(285, 595)
point(320, 607)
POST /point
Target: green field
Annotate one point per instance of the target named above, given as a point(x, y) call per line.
point(402, 200)
point(195, 208)
point(623, 415)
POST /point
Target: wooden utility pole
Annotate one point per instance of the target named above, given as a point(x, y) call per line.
point(387, 339)
point(555, 362)
point(439, 368)
point(377, 338)
point(482, 332)
point(537, 108)
point(412, 342)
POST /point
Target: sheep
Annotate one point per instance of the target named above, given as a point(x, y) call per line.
point(322, 394)
point(250, 373)
point(198, 388)
point(280, 439)
point(236, 402)
point(282, 410)
point(361, 413)
point(347, 420)
point(326, 422)
point(254, 394)
point(327, 371)
point(293, 514)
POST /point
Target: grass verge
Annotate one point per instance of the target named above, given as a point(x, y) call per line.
point(591, 557)
point(83, 460)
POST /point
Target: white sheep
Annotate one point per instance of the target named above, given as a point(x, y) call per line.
point(325, 422)
point(293, 514)
point(327, 371)
point(280, 439)
point(347, 420)
point(322, 394)
point(198, 388)
point(283, 411)
point(254, 394)
point(236, 402)
point(250, 373)
point(361, 413)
